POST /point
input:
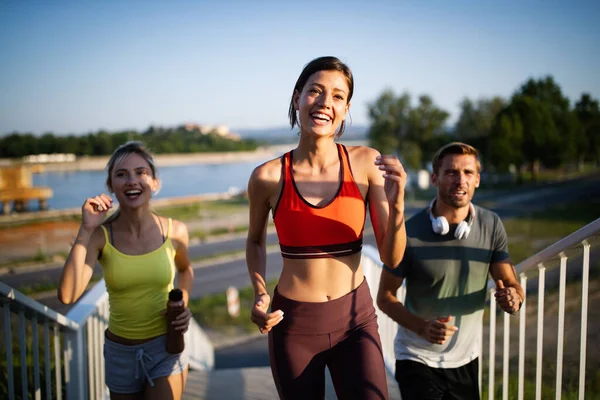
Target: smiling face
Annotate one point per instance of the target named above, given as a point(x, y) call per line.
point(456, 179)
point(323, 103)
point(132, 181)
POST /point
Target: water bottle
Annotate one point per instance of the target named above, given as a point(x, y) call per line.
point(175, 306)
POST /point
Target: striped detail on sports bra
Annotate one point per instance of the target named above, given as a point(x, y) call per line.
point(324, 251)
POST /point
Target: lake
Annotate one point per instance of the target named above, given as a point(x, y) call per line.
point(71, 188)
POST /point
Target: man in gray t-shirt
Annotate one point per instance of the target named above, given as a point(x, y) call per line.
point(452, 247)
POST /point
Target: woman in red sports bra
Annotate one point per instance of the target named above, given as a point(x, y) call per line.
point(322, 312)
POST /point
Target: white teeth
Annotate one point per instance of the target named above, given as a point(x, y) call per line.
point(321, 116)
point(133, 192)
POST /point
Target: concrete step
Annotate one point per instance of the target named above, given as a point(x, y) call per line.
point(248, 384)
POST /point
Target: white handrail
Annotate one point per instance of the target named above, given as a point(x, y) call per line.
point(39, 308)
point(539, 263)
point(574, 239)
point(87, 305)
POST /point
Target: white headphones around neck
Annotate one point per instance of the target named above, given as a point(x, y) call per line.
point(441, 226)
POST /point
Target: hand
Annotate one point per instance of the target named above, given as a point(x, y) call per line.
point(182, 322)
point(395, 178)
point(94, 211)
point(438, 330)
point(507, 298)
point(265, 321)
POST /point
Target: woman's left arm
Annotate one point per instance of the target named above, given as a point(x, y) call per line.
point(185, 272)
point(387, 180)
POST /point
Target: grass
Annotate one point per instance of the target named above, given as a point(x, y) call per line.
point(203, 235)
point(36, 221)
point(47, 286)
point(197, 210)
point(39, 257)
point(528, 234)
point(211, 311)
point(184, 212)
point(570, 388)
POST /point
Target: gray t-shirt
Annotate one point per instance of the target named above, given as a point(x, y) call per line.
point(446, 276)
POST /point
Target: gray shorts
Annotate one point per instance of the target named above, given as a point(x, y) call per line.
point(128, 368)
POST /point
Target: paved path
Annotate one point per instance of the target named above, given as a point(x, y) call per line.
point(248, 384)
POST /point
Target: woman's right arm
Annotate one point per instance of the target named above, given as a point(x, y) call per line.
point(79, 266)
point(256, 252)
point(260, 187)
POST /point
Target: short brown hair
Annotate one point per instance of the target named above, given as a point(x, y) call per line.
point(454, 148)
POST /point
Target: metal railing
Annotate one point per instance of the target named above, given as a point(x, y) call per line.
point(32, 316)
point(71, 348)
point(574, 254)
point(72, 365)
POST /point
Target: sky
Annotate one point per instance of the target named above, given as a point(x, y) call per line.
point(81, 66)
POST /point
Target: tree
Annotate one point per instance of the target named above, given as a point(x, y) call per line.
point(18, 145)
point(588, 114)
point(48, 144)
point(389, 115)
point(506, 141)
point(550, 133)
point(410, 132)
point(477, 119)
point(102, 143)
point(426, 120)
point(551, 128)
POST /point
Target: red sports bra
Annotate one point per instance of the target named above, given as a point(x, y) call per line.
point(332, 230)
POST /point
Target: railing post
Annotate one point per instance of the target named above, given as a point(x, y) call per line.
point(9, 354)
point(23, 344)
point(37, 390)
point(492, 363)
point(522, 318)
point(506, 354)
point(561, 325)
point(47, 359)
point(480, 367)
point(91, 356)
point(76, 363)
point(57, 367)
point(585, 278)
point(540, 332)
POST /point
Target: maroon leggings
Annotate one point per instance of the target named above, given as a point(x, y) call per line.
point(340, 334)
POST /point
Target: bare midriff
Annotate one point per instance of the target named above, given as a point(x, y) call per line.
point(320, 279)
point(125, 341)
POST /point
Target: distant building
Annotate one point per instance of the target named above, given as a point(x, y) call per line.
point(50, 158)
point(221, 130)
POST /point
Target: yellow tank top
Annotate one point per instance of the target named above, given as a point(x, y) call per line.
point(138, 288)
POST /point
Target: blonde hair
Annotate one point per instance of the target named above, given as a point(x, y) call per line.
point(124, 150)
point(454, 148)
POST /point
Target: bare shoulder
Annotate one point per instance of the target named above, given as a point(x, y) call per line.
point(362, 158)
point(362, 154)
point(179, 234)
point(180, 230)
point(266, 176)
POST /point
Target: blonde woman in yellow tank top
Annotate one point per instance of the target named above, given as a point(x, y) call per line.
point(140, 253)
